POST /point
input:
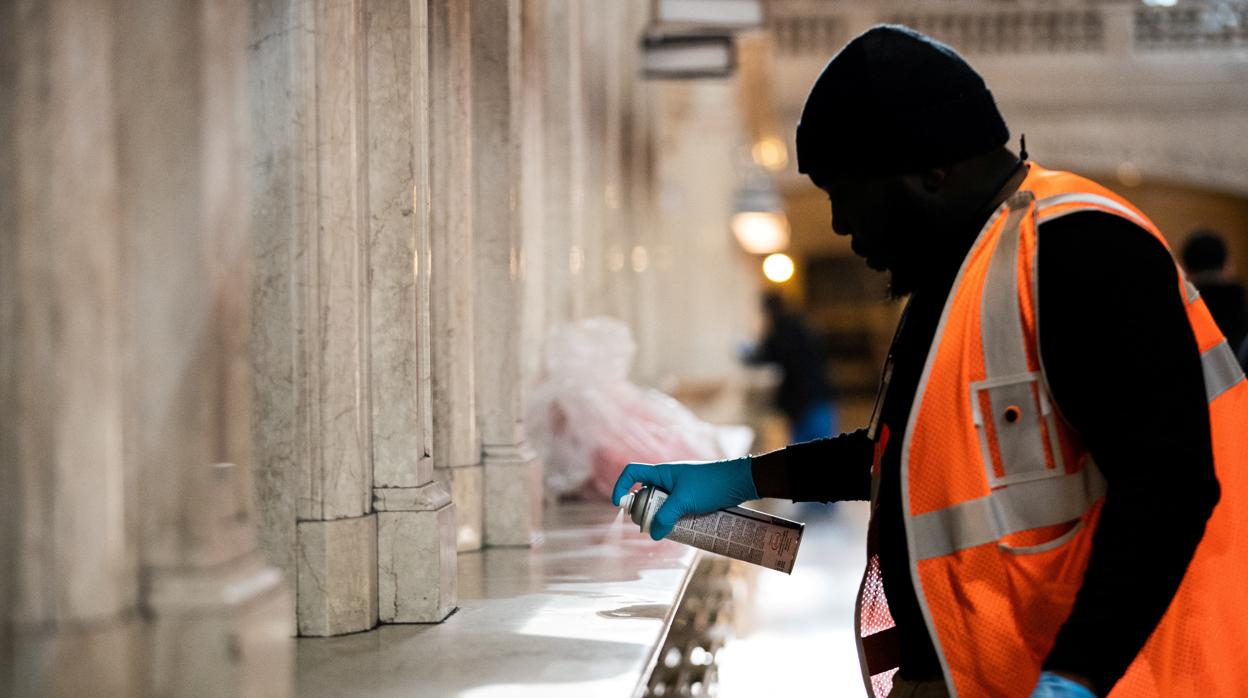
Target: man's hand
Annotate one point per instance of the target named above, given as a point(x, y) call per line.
point(1056, 686)
point(693, 488)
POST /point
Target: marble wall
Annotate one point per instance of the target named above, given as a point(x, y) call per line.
point(322, 238)
point(436, 186)
point(345, 424)
point(130, 564)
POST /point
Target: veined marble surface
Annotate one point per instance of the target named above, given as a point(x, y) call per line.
point(578, 614)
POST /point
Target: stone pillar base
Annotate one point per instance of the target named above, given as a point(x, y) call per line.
point(222, 631)
point(467, 486)
point(512, 484)
point(415, 553)
point(337, 576)
point(93, 660)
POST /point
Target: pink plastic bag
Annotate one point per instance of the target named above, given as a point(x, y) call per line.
point(587, 421)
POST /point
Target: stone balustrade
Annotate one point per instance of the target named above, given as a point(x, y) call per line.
point(1034, 27)
point(1192, 26)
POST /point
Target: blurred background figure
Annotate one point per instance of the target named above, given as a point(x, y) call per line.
point(804, 395)
point(1204, 257)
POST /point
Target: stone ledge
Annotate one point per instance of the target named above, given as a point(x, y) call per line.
point(581, 614)
point(507, 453)
point(215, 589)
point(428, 497)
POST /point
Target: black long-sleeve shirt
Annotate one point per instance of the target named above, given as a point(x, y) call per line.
point(1125, 372)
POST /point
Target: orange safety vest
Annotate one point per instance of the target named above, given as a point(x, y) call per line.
point(1002, 498)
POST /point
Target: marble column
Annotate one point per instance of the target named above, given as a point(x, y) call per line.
point(533, 218)
point(503, 134)
point(595, 226)
point(639, 209)
point(698, 261)
point(218, 615)
point(415, 516)
point(617, 45)
point(315, 421)
point(563, 163)
point(534, 261)
point(456, 435)
point(125, 320)
point(69, 566)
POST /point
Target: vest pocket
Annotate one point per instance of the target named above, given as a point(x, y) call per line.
point(1017, 434)
point(1039, 540)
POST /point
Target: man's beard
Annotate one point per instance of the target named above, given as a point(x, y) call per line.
point(928, 255)
point(912, 240)
point(901, 283)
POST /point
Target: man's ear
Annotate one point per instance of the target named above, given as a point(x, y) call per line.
point(932, 180)
point(926, 182)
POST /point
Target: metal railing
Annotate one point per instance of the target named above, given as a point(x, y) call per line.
point(686, 664)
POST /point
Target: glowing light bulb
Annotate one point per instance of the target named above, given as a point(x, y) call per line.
point(761, 232)
point(770, 153)
point(778, 267)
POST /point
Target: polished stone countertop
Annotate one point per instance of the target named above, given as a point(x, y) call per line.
point(579, 614)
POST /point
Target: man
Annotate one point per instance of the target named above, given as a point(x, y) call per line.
point(804, 395)
point(1046, 517)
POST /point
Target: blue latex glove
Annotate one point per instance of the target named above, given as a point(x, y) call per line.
point(693, 488)
point(1053, 686)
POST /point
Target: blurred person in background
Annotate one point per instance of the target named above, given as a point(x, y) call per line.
point(804, 395)
point(1204, 257)
point(1047, 515)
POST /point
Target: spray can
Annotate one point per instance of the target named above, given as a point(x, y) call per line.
point(736, 532)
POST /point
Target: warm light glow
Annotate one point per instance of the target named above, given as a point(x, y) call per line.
point(778, 267)
point(770, 153)
point(761, 232)
point(641, 259)
point(615, 258)
point(1129, 174)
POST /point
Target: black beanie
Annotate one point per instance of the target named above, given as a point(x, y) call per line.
point(895, 101)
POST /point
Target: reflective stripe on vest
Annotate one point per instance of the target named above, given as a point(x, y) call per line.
point(1221, 369)
point(1016, 399)
point(1031, 494)
point(1092, 202)
point(1005, 352)
point(1089, 201)
point(1018, 507)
